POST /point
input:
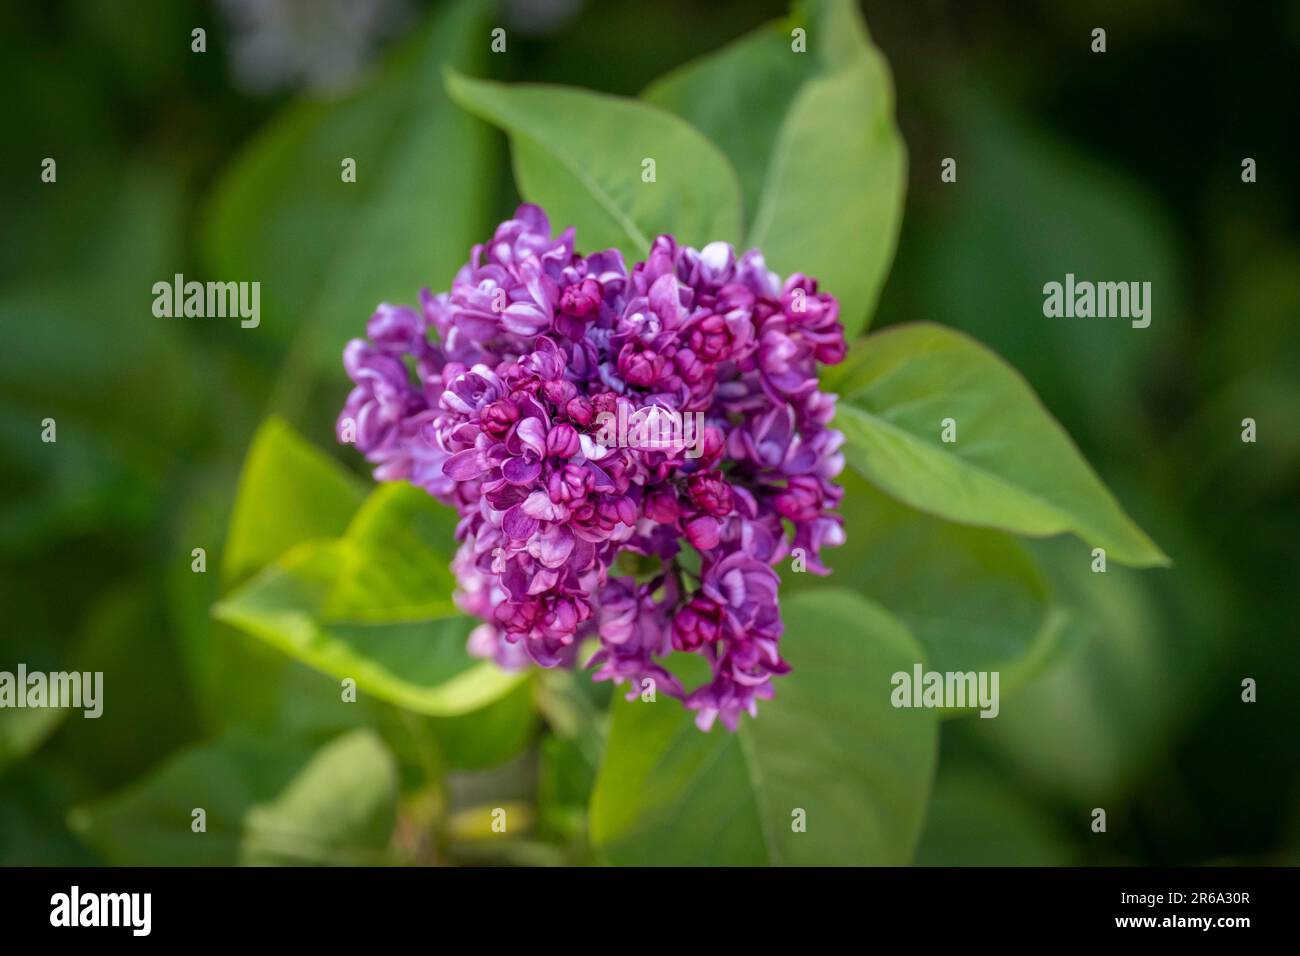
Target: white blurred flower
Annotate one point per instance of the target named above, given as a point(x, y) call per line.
point(321, 45)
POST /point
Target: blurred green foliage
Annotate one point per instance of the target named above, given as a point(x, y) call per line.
point(1122, 166)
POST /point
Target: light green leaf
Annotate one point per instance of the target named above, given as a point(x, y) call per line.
point(1011, 467)
point(738, 96)
point(830, 743)
point(247, 682)
point(397, 562)
point(973, 597)
point(580, 156)
point(289, 492)
point(812, 135)
point(834, 213)
point(421, 665)
point(267, 802)
point(374, 605)
point(327, 251)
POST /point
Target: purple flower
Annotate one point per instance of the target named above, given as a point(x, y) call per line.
point(698, 624)
point(504, 398)
point(709, 492)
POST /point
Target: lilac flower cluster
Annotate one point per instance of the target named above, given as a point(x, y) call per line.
point(491, 398)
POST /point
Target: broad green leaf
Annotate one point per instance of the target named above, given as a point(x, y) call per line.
point(581, 156)
point(289, 492)
point(812, 136)
point(327, 251)
point(401, 542)
point(973, 597)
point(246, 682)
point(420, 665)
point(1011, 467)
point(739, 96)
point(833, 211)
point(267, 802)
point(830, 743)
point(374, 605)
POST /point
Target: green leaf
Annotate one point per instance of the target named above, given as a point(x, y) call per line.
point(289, 492)
point(421, 665)
point(327, 251)
point(580, 156)
point(1012, 466)
point(267, 802)
point(829, 743)
point(248, 683)
point(833, 213)
point(397, 563)
point(374, 605)
point(738, 96)
point(974, 597)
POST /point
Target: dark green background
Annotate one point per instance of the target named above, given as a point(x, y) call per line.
point(1122, 166)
